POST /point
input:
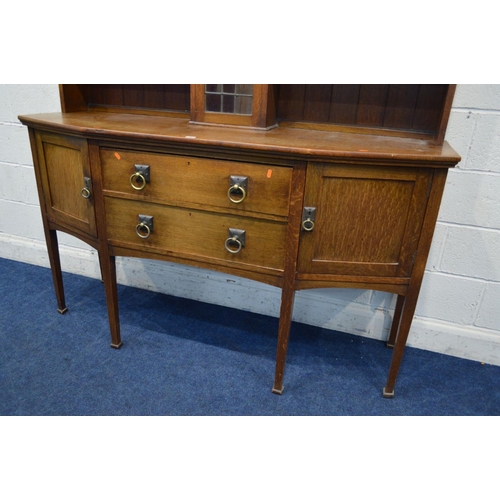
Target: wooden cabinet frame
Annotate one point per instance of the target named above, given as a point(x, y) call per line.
point(376, 200)
point(263, 110)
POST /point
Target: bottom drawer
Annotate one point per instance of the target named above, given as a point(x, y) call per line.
point(196, 235)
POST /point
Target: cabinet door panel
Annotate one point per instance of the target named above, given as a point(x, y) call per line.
point(64, 164)
point(368, 220)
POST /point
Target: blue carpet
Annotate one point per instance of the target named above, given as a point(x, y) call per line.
point(182, 357)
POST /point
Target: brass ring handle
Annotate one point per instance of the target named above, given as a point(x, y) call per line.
point(307, 225)
point(85, 192)
point(235, 188)
point(138, 176)
point(234, 239)
point(139, 227)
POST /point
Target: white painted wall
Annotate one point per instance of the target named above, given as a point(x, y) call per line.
point(459, 307)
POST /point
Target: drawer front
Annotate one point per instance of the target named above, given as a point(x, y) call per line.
point(198, 182)
point(196, 235)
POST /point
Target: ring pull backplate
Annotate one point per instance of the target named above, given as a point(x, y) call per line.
point(140, 177)
point(238, 188)
point(236, 241)
point(145, 226)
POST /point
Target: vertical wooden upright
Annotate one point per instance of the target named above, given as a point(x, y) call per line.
point(410, 301)
point(106, 260)
point(288, 291)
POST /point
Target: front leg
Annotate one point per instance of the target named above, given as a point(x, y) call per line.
point(287, 299)
point(391, 341)
point(408, 309)
point(108, 269)
point(55, 267)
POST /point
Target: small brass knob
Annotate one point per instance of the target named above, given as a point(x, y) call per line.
point(138, 178)
point(85, 192)
point(142, 226)
point(236, 188)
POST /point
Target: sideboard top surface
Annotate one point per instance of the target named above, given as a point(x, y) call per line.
point(280, 141)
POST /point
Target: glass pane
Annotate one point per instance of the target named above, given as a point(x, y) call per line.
point(246, 89)
point(212, 102)
point(229, 98)
point(228, 104)
point(243, 105)
point(213, 88)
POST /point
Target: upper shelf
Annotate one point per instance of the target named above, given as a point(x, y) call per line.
point(412, 110)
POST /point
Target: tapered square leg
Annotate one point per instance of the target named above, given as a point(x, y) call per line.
point(287, 299)
point(55, 267)
point(108, 268)
point(387, 394)
point(395, 321)
point(408, 309)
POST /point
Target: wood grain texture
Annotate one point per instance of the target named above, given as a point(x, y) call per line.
point(403, 109)
point(376, 197)
point(410, 301)
point(396, 320)
point(400, 106)
point(308, 282)
point(410, 109)
point(173, 97)
point(344, 104)
point(198, 182)
point(72, 98)
point(281, 142)
point(291, 102)
point(445, 115)
point(107, 261)
point(429, 107)
point(367, 220)
point(63, 164)
point(49, 233)
point(112, 96)
point(316, 99)
point(372, 105)
point(290, 272)
point(195, 234)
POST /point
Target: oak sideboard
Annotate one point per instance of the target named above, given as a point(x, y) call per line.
point(295, 186)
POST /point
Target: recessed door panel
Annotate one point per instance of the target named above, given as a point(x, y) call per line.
point(64, 164)
point(367, 219)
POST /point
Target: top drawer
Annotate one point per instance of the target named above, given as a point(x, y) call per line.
point(191, 181)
